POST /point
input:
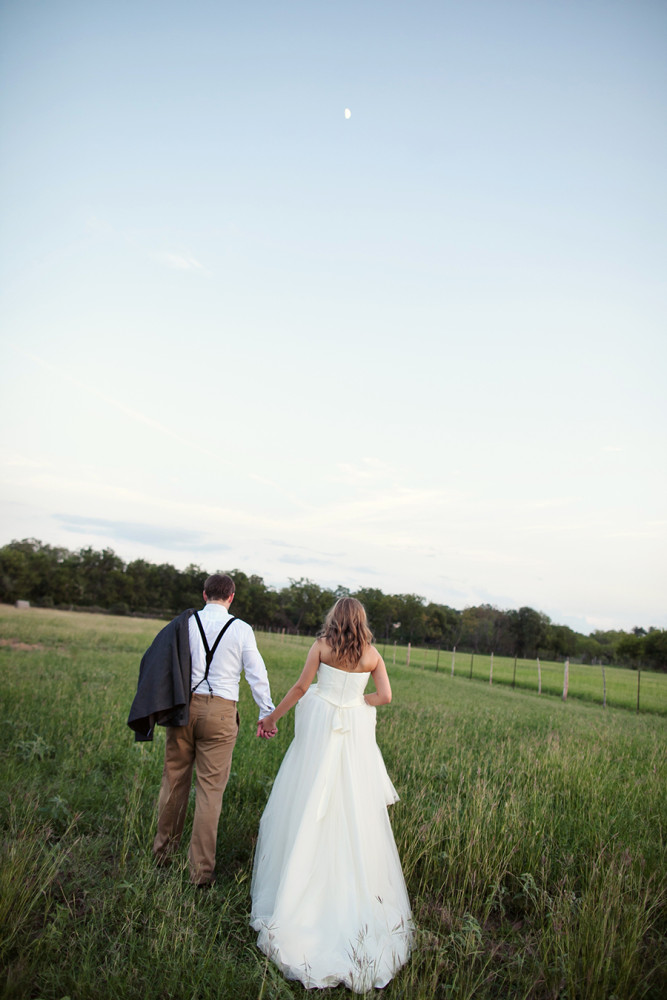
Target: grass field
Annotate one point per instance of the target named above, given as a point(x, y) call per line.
point(532, 834)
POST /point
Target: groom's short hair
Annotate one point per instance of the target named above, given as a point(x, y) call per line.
point(219, 587)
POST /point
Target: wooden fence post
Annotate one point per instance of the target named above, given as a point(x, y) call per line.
point(491, 670)
point(437, 659)
point(539, 676)
point(453, 659)
point(514, 674)
point(639, 677)
point(407, 662)
point(566, 678)
point(472, 657)
point(394, 659)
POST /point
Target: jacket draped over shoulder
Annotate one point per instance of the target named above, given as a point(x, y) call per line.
point(163, 689)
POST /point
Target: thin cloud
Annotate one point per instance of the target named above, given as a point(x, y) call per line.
point(292, 497)
point(143, 418)
point(360, 474)
point(302, 548)
point(650, 529)
point(180, 261)
point(217, 518)
point(183, 261)
point(151, 535)
point(378, 507)
point(137, 415)
point(15, 461)
point(293, 560)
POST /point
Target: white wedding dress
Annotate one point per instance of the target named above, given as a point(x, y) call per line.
point(328, 895)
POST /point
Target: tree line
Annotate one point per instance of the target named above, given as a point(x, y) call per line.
point(50, 576)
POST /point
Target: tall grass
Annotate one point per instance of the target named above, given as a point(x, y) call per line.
point(531, 833)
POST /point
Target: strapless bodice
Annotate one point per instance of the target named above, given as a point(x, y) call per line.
point(340, 687)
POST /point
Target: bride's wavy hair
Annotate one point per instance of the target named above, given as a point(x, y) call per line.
point(346, 630)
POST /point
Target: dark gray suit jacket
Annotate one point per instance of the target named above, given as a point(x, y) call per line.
point(163, 690)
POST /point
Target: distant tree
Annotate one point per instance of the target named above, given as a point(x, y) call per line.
point(100, 576)
point(13, 573)
point(25, 571)
point(164, 590)
point(607, 638)
point(382, 611)
point(655, 648)
point(137, 584)
point(477, 628)
point(242, 599)
point(630, 649)
point(190, 587)
point(529, 629)
point(411, 613)
point(486, 629)
point(442, 625)
point(591, 651)
point(305, 604)
point(560, 641)
point(254, 602)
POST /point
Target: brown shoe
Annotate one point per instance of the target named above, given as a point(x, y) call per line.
point(205, 885)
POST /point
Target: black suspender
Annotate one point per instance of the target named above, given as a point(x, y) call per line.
point(210, 652)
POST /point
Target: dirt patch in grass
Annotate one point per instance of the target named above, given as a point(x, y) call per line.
point(15, 644)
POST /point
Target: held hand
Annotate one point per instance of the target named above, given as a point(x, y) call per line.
point(266, 729)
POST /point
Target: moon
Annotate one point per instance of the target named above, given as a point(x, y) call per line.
point(348, 113)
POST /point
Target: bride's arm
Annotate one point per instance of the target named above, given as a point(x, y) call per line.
point(297, 691)
point(382, 693)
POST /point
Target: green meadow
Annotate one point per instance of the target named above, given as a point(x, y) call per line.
point(531, 830)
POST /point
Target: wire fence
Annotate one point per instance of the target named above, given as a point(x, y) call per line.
point(617, 687)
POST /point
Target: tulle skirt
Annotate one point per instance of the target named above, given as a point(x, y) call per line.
point(328, 895)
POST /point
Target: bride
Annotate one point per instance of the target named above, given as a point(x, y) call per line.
point(328, 895)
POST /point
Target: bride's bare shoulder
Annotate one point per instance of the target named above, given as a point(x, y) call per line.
point(369, 659)
point(324, 649)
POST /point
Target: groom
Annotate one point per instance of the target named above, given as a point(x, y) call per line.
point(202, 731)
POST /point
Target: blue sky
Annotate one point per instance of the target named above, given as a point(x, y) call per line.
point(421, 349)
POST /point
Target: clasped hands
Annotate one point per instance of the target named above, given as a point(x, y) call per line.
point(267, 731)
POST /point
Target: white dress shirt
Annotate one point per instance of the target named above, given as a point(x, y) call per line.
point(236, 653)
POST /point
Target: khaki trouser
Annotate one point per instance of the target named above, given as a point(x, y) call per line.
point(207, 743)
